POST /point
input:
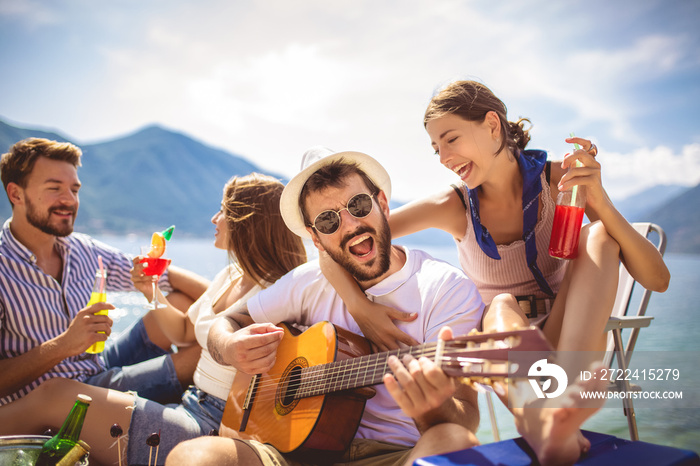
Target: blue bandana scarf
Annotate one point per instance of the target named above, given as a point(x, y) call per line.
point(531, 163)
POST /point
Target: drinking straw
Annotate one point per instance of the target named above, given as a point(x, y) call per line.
point(574, 191)
point(102, 273)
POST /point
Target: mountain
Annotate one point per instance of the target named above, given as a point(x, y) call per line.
point(10, 135)
point(639, 206)
point(156, 177)
point(146, 181)
point(680, 219)
point(673, 208)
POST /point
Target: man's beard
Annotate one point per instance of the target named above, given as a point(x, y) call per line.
point(364, 272)
point(43, 223)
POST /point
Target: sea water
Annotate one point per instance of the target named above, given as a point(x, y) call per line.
point(675, 329)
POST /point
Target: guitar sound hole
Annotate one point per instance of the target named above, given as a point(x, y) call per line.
point(292, 386)
point(288, 390)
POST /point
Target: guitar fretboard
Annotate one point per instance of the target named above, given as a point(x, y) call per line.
point(357, 372)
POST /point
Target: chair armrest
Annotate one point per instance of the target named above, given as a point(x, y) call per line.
point(618, 386)
point(628, 322)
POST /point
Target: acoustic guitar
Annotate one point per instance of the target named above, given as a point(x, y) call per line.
point(311, 401)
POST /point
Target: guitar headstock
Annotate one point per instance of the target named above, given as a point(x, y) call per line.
point(483, 357)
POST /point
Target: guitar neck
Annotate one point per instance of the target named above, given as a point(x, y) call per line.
point(476, 356)
point(353, 373)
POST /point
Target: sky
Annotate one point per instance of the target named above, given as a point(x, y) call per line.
point(267, 79)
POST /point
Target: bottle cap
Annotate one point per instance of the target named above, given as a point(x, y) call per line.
point(84, 398)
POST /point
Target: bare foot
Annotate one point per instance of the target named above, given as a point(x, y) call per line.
point(551, 426)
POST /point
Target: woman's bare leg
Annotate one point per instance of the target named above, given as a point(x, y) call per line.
point(575, 328)
point(440, 439)
point(504, 314)
point(587, 295)
point(551, 426)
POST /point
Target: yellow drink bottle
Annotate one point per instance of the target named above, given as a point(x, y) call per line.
point(99, 295)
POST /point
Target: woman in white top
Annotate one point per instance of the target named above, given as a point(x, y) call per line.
point(261, 249)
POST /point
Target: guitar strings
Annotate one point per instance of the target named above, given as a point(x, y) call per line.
point(380, 359)
point(369, 362)
point(330, 374)
point(271, 392)
point(334, 374)
point(340, 368)
point(272, 388)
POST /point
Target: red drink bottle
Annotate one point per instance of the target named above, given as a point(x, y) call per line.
point(568, 218)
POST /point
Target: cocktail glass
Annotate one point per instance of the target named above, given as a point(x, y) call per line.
point(154, 267)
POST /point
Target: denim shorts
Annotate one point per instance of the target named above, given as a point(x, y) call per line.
point(134, 363)
point(199, 414)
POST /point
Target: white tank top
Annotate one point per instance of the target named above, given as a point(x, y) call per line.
point(209, 375)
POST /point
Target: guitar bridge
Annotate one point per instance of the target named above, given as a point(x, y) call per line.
point(248, 402)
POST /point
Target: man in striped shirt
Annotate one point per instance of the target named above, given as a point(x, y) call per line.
point(46, 277)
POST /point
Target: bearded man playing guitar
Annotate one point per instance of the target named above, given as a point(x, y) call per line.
point(341, 201)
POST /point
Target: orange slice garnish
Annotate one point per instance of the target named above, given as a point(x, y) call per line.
point(157, 245)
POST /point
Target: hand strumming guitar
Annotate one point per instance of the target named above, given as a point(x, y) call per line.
point(251, 349)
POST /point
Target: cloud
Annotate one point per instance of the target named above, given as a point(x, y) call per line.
point(626, 174)
point(267, 79)
point(32, 14)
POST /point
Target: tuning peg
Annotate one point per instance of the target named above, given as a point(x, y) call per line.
point(473, 332)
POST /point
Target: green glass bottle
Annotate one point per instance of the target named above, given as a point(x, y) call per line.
point(60, 444)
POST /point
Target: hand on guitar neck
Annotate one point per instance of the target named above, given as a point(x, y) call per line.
point(422, 389)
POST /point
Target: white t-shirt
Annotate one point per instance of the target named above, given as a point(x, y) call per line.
point(440, 293)
point(209, 375)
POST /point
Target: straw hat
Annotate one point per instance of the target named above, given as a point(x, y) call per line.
point(314, 159)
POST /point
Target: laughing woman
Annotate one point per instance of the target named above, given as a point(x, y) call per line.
point(261, 249)
point(502, 246)
point(501, 217)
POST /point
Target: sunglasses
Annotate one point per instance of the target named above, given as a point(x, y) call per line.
point(328, 221)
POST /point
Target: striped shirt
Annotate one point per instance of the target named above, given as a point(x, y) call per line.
point(35, 308)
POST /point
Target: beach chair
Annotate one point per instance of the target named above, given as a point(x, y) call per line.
point(628, 315)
